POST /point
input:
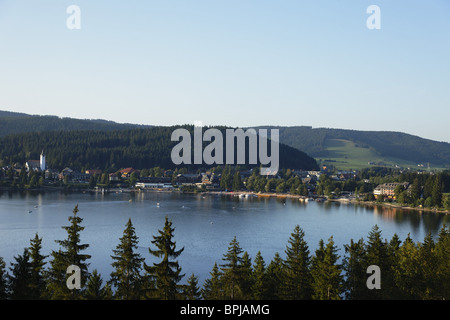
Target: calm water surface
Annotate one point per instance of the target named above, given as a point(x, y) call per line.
point(204, 224)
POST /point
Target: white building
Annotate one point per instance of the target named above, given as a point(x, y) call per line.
point(37, 165)
point(42, 161)
point(151, 185)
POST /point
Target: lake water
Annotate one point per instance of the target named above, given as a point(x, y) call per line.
point(204, 224)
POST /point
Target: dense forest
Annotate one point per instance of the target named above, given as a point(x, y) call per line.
point(112, 150)
point(385, 143)
point(14, 123)
point(310, 140)
point(407, 270)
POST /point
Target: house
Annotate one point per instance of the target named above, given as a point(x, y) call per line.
point(51, 174)
point(33, 165)
point(93, 172)
point(77, 176)
point(37, 165)
point(210, 180)
point(388, 189)
point(73, 176)
point(113, 177)
point(155, 180)
point(188, 179)
point(65, 172)
point(126, 173)
point(154, 185)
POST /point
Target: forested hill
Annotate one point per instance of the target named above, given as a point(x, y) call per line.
point(14, 122)
point(137, 148)
point(348, 148)
point(320, 143)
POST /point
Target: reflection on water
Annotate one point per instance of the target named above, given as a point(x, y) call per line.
point(204, 223)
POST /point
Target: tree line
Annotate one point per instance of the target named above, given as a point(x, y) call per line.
point(114, 149)
point(409, 270)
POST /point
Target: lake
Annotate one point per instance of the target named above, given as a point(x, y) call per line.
point(204, 224)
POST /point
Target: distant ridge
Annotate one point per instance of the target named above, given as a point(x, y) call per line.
point(15, 122)
point(341, 148)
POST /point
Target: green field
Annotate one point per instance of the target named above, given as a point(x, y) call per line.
point(345, 155)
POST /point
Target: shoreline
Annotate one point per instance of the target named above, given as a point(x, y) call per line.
point(238, 193)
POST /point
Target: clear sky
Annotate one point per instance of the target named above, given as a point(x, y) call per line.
point(233, 62)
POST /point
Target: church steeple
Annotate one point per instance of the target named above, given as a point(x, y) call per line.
point(42, 161)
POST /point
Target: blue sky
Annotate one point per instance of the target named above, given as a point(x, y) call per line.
point(234, 62)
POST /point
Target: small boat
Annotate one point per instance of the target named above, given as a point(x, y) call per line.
point(29, 211)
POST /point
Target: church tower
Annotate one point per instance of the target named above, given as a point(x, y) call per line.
point(42, 162)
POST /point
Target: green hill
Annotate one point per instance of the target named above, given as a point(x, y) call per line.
point(355, 149)
point(341, 148)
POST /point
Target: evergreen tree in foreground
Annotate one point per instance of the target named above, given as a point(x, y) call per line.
point(165, 273)
point(260, 279)
point(20, 277)
point(354, 268)
point(298, 279)
point(95, 290)
point(232, 271)
point(3, 280)
point(326, 272)
point(69, 254)
point(191, 291)
point(126, 277)
point(37, 284)
point(212, 289)
point(275, 278)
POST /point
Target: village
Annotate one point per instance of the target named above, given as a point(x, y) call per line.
point(321, 185)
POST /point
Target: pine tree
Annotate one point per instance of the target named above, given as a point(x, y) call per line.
point(355, 271)
point(20, 277)
point(297, 267)
point(212, 289)
point(406, 273)
point(390, 290)
point(376, 254)
point(56, 281)
point(126, 277)
point(191, 291)
point(326, 272)
point(232, 271)
point(275, 278)
point(436, 193)
point(237, 183)
point(246, 282)
point(442, 249)
point(428, 268)
point(3, 280)
point(166, 273)
point(95, 289)
point(415, 191)
point(259, 287)
point(37, 284)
